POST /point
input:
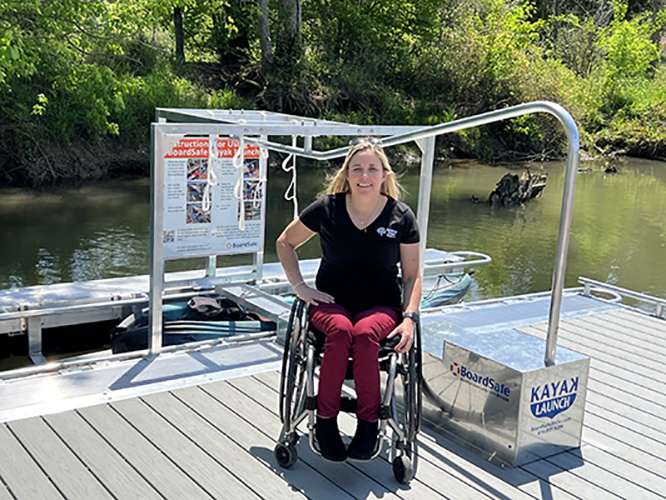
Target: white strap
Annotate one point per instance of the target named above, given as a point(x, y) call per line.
point(237, 162)
point(291, 193)
point(213, 154)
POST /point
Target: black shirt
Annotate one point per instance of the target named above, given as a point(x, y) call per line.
point(359, 267)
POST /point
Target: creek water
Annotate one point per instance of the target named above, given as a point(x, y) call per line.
point(618, 230)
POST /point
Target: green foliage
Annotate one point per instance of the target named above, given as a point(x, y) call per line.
point(74, 74)
point(79, 73)
point(627, 45)
point(622, 98)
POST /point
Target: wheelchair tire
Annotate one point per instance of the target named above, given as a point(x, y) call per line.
point(292, 378)
point(412, 387)
point(285, 454)
point(403, 470)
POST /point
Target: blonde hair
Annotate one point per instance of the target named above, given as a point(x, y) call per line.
point(390, 187)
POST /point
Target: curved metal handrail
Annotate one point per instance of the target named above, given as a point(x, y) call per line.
point(420, 135)
point(475, 121)
point(590, 285)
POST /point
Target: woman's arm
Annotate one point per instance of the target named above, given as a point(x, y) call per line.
point(411, 281)
point(294, 235)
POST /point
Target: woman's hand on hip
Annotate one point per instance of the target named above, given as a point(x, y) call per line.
point(313, 296)
point(406, 332)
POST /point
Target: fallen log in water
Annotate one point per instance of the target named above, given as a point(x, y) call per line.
point(515, 190)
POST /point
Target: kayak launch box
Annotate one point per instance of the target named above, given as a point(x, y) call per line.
point(491, 392)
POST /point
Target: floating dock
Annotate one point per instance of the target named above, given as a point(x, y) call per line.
point(202, 423)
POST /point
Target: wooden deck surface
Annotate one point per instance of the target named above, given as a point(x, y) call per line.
point(216, 440)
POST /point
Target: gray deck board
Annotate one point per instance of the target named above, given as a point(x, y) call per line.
point(643, 324)
point(212, 436)
point(641, 423)
point(514, 483)
point(118, 475)
point(158, 469)
point(626, 451)
point(632, 395)
point(647, 447)
point(648, 431)
point(437, 465)
point(365, 474)
point(185, 454)
point(348, 479)
point(610, 463)
point(24, 478)
point(595, 473)
point(639, 332)
point(580, 341)
point(247, 433)
point(568, 481)
point(608, 334)
point(4, 494)
point(216, 439)
point(57, 461)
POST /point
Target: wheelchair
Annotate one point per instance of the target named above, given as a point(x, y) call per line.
point(303, 352)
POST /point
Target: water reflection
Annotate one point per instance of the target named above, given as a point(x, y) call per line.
point(48, 267)
point(618, 229)
point(115, 252)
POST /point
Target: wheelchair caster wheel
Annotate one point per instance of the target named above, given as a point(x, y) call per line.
point(285, 454)
point(403, 469)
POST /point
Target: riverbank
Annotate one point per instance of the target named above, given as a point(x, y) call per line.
point(54, 165)
point(76, 165)
point(79, 82)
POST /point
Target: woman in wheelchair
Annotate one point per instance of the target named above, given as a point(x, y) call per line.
point(365, 231)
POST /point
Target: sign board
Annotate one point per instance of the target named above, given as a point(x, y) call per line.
point(214, 199)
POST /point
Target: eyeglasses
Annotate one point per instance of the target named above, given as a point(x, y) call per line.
point(374, 141)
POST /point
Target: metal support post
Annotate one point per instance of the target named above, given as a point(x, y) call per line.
point(156, 242)
point(34, 324)
point(427, 146)
point(565, 229)
point(211, 269)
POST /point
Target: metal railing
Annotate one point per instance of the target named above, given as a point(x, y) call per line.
point(424, 137)
point(427, 133)
point(590, 285)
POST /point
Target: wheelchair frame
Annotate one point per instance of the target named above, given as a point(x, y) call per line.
point(298, 400)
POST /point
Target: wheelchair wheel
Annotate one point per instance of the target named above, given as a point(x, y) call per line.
point(412, 389)
point(285, 454)
point(292, 378)
point(403, 469)
point(405, 447)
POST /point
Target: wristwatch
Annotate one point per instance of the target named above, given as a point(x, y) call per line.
point(414, 316)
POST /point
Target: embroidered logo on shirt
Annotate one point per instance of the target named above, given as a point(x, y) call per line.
point(389, 233)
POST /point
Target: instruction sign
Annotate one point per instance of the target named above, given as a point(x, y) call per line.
point(213, 199)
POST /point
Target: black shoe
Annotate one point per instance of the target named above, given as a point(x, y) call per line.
point(330, 443)
point(363, 445)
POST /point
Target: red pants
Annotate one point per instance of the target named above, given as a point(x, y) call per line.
point(360, 337)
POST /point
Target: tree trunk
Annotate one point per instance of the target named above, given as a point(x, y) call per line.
point(232, 46)
point(288, 43)
point(515, 190)
point(657, 7)
point(178, 28)
point(265, 38)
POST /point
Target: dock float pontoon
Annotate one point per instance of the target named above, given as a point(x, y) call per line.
point(202, 423)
